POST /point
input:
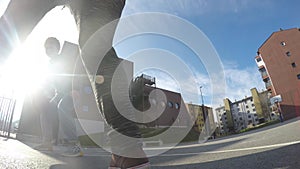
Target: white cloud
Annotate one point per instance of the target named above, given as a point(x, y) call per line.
point(238, 85)
point(239, 82)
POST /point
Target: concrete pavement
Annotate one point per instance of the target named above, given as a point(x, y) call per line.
point(275, 147)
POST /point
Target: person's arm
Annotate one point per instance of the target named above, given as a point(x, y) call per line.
point(19, 19)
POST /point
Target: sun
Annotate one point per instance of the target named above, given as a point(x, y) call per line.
point(27, 67)
point(23, 72)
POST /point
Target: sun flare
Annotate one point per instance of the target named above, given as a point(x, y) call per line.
point(23, 72)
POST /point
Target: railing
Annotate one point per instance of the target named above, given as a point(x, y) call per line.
point(264, 74)
point(268, 84)
point(7, 107)
point(149, 80)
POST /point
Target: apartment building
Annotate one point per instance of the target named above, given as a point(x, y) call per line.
point(201, 116)
point(244, 113)
point(279, 64)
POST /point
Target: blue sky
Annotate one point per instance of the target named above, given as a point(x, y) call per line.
point(236, 29)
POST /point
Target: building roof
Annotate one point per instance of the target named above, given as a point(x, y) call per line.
point(275, 33)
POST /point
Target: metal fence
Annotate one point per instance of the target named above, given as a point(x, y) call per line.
point(7, 107)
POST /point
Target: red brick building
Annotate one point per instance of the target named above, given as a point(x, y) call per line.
point(278, 60)
point(159, 107)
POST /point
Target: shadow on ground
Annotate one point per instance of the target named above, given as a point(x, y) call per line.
point(286, 158)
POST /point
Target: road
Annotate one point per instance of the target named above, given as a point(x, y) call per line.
point(273, 147)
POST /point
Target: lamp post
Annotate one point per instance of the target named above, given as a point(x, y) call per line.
point(201, 96)
point(203, 112)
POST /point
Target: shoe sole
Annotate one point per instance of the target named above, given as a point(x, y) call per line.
point(142, 166)
point(73, 155)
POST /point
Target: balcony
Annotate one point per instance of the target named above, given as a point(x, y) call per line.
point(263, 72)
point(148, 79)
point(268, 84)
point(259, 61)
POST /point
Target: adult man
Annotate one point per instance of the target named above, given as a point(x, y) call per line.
point(62, 104)
point(22, 16)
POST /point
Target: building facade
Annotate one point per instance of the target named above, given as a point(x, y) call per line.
point(244, 113)
point(158, 107)
point(201, 116)
point(279, 64)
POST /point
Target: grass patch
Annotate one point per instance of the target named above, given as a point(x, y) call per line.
point(260, 126)
point(192, 136)
point(87, 141)
point(147, 134)
point(151, 132)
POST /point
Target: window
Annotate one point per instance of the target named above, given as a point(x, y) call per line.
point(254, 110)
point(298, 76)
point(288, 53)
point(177, 106)
point(282, 43)
point(293, 64)
point(170, 104)
point(248, 111)
point(252, 105)
point(258, 59)
point(249, 116)
point(247, 106)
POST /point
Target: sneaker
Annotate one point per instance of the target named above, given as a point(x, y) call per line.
point(142, 166)
point(44, 147)
point(119, 162)
point(74, 151)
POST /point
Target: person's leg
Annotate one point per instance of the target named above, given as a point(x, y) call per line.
point(125, 135)
point(90, 17)
point(66, 114)
point(48, 121)
point(66, 119)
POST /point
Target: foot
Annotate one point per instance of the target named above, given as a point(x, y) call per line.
point(44, 147)
point(74, 151)
point(119, 162)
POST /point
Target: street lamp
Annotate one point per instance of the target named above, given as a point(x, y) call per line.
point(204, 113)
point(201, 95)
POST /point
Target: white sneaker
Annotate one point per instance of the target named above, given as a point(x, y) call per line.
point(74, 151)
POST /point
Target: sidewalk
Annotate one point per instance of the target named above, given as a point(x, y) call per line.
point(15, 154)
